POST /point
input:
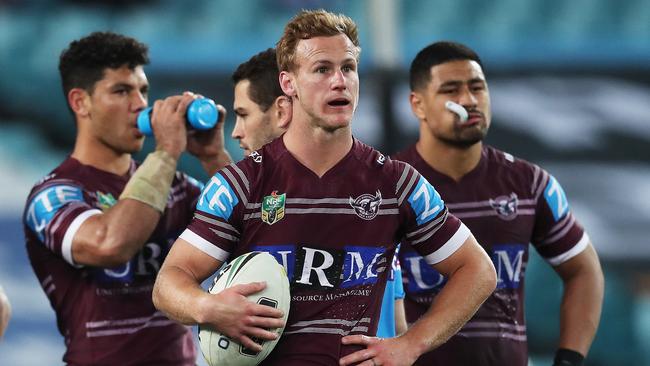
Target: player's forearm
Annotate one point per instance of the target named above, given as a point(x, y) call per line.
point(580, 310)
point(179, 295)
point(212, 164)
point(465, 291)
point(113, 238)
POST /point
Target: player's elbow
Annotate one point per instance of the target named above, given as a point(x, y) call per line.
point(113, 256)
point(487, 276)
point(112, 249)
point(492, 278)
point(156, 296)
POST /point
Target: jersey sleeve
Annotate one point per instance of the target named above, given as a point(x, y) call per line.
point(55, 212)
point(429, 227)
point(216, 226)
point(557, 235)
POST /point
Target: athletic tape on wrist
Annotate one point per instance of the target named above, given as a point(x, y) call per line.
point(152, 181)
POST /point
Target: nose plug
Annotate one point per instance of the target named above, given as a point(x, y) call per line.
point(457, 109)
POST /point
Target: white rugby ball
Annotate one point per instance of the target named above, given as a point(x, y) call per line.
point(220, 350)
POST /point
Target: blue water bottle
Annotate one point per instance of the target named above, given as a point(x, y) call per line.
point(202, 114)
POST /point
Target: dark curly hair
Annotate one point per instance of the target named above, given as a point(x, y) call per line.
point(83, 63)
point(262, 72)
point(436, 54)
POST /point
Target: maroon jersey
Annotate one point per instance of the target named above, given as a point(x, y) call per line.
point(335, 235)
point(105, 314)
point(507, 203)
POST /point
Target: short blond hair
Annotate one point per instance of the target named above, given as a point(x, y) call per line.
point(309, 24)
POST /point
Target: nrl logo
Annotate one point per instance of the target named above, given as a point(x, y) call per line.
point(366, 206)
point(505, 206)
point(273, 207)
point(105, 200)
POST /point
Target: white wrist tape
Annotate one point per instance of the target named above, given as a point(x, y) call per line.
point(152, 181)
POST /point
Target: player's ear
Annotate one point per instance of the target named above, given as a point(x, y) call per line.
point(283, 110)
point(79, 102)
point(286, 83)
point(417, 105)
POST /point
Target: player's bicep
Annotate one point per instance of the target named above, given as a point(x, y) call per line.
point(56, 214)
point(469, 254)
point(216, 226)
point(192, 260)
point(431, 230)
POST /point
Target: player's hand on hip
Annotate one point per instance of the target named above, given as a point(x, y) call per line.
point(378, 351)
point(241, 319)
point(168, 123)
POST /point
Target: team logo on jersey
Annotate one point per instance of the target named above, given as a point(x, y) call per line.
point(505, 206)
point(105, 200)
point(366, 206)
point(273, 207)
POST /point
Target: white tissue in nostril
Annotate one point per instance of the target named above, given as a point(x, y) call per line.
point(458, 109)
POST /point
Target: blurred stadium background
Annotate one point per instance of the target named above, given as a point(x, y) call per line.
point(570, 86)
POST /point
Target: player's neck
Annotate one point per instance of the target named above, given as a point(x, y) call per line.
point(316, 149)
point(451, 161)
point(100, 156)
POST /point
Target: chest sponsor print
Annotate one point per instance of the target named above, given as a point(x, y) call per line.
point(509, 261)
point(312, 269)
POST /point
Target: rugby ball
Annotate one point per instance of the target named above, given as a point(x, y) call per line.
point(220, 350)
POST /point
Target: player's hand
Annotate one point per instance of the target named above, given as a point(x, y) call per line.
point(242, 320)
point(379, 351)
point(208, 145)
point(168, 123)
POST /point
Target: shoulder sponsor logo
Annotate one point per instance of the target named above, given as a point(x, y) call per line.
point(218, 198)
point(556, 198)
point(273, 207)
point(505, 206)
point(105, 200)
point(425, 202)
point(366, 206)
point(44, 206)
